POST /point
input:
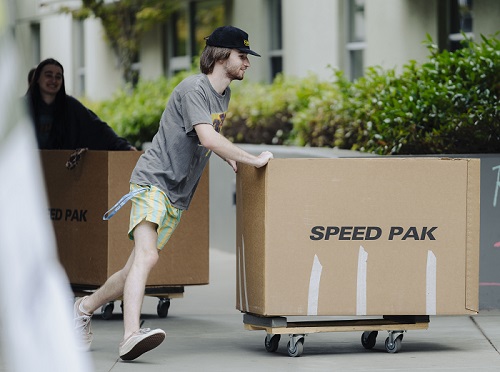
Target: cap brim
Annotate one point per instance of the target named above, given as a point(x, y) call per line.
point(249, 51)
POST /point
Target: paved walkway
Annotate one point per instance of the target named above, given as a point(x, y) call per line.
point(206, 333)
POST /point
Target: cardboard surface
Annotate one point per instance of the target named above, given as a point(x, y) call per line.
point(91, 249)
point(378, 236)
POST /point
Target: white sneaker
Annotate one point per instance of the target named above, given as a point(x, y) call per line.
point(82, 325)
point(140, 342)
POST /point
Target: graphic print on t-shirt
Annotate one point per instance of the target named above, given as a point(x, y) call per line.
point(217, 121)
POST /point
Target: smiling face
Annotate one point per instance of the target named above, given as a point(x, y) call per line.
point(50, 80)
point(236, 65)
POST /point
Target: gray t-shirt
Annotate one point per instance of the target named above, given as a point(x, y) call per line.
point(176, 160)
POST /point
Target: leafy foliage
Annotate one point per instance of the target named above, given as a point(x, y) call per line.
point(449, 104)
point(262, 113)
point(136, 115)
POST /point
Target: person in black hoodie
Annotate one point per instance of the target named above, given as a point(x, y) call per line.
point(61, 121)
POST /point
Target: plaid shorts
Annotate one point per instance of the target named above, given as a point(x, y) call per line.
point(153, 205)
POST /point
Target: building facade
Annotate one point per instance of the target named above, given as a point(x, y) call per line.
point(295, 37)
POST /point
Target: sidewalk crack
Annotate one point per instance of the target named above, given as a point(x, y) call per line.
point(484, 334)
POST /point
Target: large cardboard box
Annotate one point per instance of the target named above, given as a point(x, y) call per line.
point(348, 237)
point(91, 249)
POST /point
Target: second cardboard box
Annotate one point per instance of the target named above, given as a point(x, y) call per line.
point(376, 236)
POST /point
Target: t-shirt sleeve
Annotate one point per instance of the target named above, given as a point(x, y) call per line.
point(195, 110)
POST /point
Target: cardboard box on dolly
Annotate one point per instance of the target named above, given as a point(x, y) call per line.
point(91, 249)
point(358, 236)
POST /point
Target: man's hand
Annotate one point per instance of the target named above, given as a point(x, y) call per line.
point(233, 165)
point(232, 154)
point(263, 158)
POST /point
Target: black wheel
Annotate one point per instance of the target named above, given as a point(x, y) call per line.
point(272, 342)
point(369, 339)
point(296, 351)
point(107, 310)
point(163, 306)
point(395, 346)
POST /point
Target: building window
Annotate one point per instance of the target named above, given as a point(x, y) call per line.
point(35, 43)
point(206, 16)
point(180, 33)
point(356, 42)
point(187, 30)
point(455, 21)
point(460, 22)
point(276, 50)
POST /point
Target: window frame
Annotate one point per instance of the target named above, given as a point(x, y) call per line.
point(355, 45)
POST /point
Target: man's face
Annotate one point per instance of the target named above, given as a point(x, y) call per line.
point(50, 79)
point(236, 65)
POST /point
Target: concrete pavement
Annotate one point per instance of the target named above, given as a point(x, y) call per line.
point(205, 332)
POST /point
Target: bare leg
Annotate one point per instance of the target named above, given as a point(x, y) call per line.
point(114, 286)
point(143, 260)
point(110, 290)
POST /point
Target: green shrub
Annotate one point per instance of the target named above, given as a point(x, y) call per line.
point(135, 114)
point(447, 105)
point(261, 113)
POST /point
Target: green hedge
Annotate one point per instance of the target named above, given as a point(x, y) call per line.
point(135, 114)
point(262, 113)
point(449, 104)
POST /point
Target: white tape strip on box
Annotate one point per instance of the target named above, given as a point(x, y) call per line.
point(242, 276)
point(361, 283)
point(314, 280)
point(431, 283)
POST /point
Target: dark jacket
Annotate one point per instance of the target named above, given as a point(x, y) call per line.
point(79, 127)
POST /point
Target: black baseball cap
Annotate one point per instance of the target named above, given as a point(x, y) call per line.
point(232, 38)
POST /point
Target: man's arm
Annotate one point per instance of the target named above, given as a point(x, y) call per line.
point(212, 140)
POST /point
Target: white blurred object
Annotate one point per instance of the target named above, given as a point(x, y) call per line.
point(35, 296)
